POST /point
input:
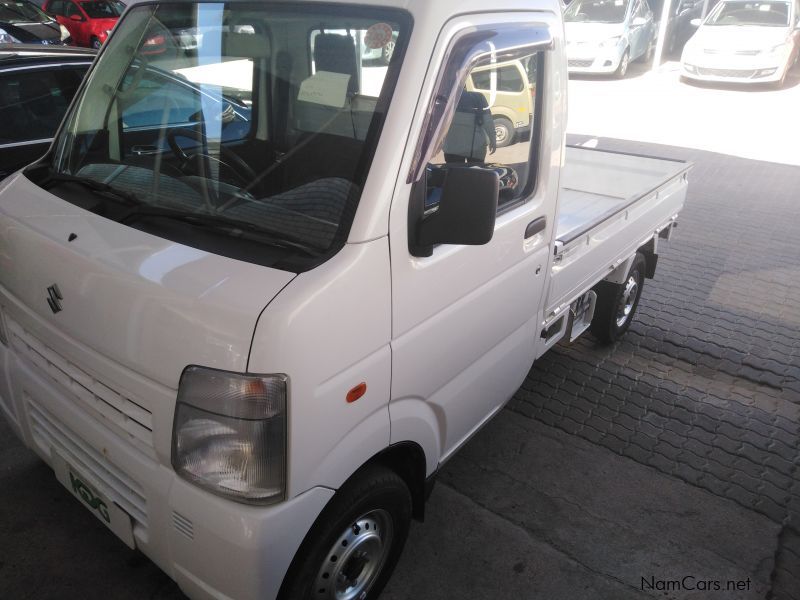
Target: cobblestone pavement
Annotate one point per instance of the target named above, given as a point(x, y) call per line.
point(673, 453)
point(706, 384)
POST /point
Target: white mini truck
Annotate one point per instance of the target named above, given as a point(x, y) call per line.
point(262, 286)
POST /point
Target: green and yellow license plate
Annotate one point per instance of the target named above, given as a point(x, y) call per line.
point(82, 487)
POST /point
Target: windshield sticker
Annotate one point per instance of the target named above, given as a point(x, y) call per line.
point(326, 88)
point(378, 36)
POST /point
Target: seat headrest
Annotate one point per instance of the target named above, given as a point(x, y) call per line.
point(336, 53)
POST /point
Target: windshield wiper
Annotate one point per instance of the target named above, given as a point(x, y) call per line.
point(221, 223)
point(98, 187)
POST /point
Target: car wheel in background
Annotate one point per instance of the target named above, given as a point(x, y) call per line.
point(95, 43)
point(503, 132)
point(356, 541)
point(617, 303)
point(622, 69)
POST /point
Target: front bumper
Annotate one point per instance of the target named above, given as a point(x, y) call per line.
point(598, 60)
point(755, 70)
point(212, 547)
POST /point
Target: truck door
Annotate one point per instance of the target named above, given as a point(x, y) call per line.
point(465, 318)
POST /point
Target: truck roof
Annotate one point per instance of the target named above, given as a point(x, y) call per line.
point(424, 6)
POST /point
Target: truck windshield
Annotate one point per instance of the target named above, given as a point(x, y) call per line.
point(232, 111)
point(596, 11)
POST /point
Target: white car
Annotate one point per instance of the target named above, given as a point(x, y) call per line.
point(605, 36)
point(744, 42)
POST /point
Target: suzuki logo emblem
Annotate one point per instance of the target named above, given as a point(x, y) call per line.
point(54, 298)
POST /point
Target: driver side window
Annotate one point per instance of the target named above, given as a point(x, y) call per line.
point(494, 127)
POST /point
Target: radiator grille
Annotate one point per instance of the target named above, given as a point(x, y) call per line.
point(739, 73)
point(581, 62)
point(116, 485)
point(127, 415)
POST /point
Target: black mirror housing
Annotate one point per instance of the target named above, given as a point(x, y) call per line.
point(467, 209)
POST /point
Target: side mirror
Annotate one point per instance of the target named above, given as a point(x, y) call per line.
point(76, 18)
point(639, 22)
point(696, 22)
point(467, 209)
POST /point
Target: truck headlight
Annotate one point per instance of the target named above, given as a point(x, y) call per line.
point(7, 38)
point(229, 435)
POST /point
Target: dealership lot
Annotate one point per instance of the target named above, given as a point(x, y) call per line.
point(671, 455)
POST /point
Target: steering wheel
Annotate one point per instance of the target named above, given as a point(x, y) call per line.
point(229, 158)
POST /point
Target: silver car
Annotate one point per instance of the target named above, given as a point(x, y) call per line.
point(744, 41)
point(604, 36)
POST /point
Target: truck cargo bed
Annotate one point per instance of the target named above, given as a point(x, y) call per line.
point(610, 204)
point(597, 184)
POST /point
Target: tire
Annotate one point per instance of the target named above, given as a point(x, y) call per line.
point(624, 62)
point(357, 539)
point(388, 51)
point(617, 303)
point(95, 43)
point(503, 132)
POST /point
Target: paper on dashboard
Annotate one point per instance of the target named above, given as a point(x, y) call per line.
point(325, 87)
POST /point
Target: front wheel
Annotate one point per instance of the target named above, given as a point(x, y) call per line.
point(617, 303)
point(95, 43)
point(354, 545)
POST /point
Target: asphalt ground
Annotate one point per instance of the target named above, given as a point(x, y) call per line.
point(667, 461)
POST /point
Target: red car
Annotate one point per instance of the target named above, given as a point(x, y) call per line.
point(88, 21)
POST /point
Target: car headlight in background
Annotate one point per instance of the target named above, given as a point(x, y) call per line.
point(611, 42)
point(229, 435)
point(774, 49)
point(64, 32)
point(7, 38)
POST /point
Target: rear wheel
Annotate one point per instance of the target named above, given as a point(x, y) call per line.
point(617, 303)
point(503, 131)
point(354, 545)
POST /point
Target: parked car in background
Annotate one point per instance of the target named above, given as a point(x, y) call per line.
point(604, 36)
point(744, 41)
point(22, 22)
point(36, 87)
point(509, 92)
point(89, 22)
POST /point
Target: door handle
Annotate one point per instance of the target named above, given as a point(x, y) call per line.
point(535, 226)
